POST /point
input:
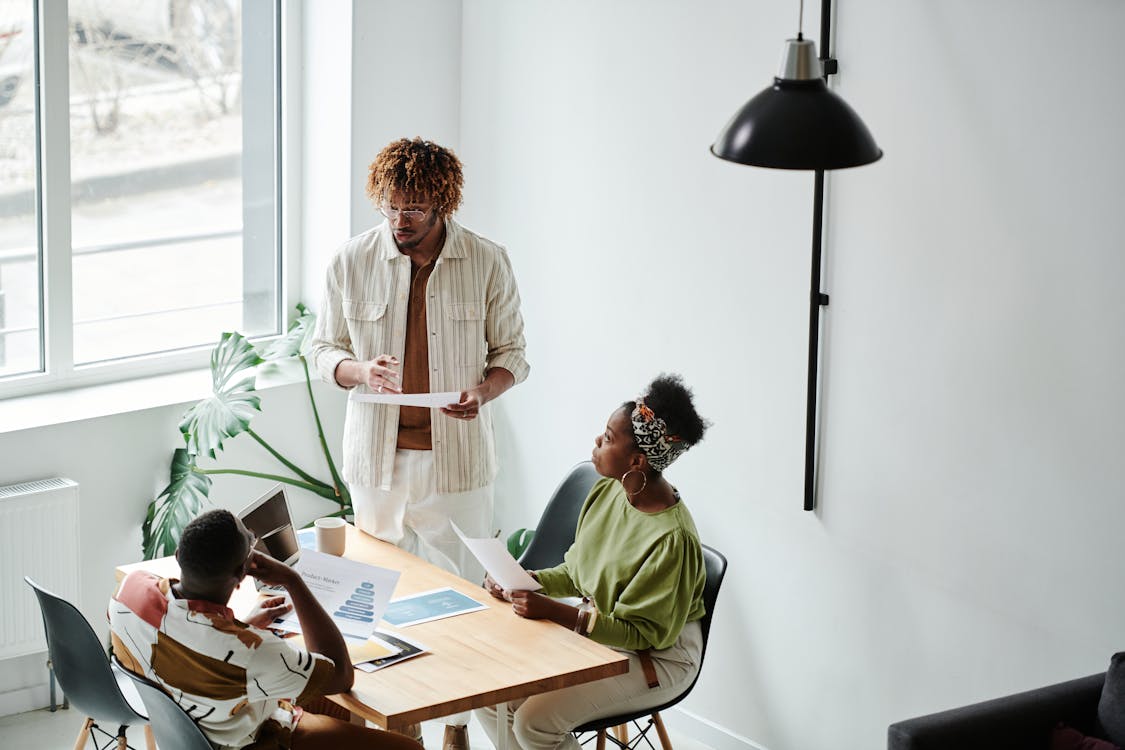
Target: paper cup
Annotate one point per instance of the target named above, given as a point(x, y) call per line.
point(331, 534)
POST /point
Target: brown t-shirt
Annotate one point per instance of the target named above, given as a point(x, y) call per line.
point(414, 421)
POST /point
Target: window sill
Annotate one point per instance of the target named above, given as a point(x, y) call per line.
point(121, 397)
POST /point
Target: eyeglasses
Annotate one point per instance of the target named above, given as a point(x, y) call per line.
point(394, 213)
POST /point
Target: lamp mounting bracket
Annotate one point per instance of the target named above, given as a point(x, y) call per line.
point(822, 299)
point(829, 66)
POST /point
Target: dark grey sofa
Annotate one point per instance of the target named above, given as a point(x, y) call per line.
point(1015, 722)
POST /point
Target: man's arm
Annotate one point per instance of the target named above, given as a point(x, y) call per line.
point(320, 633)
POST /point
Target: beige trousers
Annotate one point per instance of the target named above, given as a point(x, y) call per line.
point(545, 721)
point(413, 515)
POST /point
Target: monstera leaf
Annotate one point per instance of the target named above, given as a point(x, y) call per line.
point(296, 339)
point(283, 363)
point(518, 541)
point(232, 405)
point(173, 509)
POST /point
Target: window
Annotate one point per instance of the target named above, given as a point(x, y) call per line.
point(139, 207)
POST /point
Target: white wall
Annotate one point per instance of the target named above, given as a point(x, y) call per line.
point(966, 544)
point(374, 71)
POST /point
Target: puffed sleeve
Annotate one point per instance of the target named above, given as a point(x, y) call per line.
point(653, 608)
point(556, 581)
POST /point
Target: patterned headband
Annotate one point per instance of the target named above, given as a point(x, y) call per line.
point(651, 435)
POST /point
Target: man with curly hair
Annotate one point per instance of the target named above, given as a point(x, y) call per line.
point(421, 304)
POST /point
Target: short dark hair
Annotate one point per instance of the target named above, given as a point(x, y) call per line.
point(671, 400)
point(212, 545)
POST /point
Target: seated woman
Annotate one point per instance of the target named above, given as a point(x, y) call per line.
point(636, 561)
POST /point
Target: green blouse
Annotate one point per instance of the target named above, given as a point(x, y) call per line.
point(643, 571)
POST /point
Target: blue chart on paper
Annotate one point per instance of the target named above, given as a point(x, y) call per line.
point(431, 605)
point(360, 604)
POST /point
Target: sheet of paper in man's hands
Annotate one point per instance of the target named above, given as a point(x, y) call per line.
point(427, 400)
point(499, 563)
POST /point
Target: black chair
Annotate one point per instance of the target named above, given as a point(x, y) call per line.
point(83, 670)
point(174, 729)
point(555, 532)
point(716, 567)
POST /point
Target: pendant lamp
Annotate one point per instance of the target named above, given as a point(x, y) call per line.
point(799, 123)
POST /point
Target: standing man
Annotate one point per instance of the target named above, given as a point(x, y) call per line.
point(420, 304)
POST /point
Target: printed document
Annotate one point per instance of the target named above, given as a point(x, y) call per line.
point(494, 557)
point(353, 593)
point(430, 605)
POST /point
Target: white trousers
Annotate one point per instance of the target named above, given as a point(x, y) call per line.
point(545, 721)
point(413, 515)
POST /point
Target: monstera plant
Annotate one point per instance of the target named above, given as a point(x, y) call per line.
point(235, 366)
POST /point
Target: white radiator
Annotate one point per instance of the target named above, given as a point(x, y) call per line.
point(38, 538)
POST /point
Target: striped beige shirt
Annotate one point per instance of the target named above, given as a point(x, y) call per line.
point(473, 313)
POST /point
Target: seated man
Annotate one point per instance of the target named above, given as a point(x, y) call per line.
point(240, 682)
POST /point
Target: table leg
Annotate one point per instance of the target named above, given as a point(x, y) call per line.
point(502, 726)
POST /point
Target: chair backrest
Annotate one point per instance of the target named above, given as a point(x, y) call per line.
point(715, 565)
point(171, 725)
point(555, 532)
point(79, 662)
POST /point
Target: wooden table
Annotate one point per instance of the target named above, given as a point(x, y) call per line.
point(474, 660)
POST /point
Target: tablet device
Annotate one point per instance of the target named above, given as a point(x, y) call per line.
point(270, 519)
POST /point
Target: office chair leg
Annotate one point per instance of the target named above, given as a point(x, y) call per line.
point(150, 741)
point(665, 741)
point(621, 731)
point(601, 739)
point(83, 734)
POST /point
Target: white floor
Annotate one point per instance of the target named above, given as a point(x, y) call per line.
point(44, 730)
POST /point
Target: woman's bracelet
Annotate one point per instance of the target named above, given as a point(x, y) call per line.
point(587, 615)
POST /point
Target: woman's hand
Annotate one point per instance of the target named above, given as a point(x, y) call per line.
point(494, 588)
point(535, 606)
point(266, 611)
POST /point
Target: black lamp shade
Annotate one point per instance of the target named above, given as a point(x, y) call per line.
point(797, 125)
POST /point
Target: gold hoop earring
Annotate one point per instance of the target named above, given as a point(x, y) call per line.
point(644, 479)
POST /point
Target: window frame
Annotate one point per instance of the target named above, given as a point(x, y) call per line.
point(58, 370)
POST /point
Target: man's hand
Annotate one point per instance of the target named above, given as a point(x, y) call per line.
point(496, 381)
point(469, 406)
point(380, 374)
point(266, 611)
point(269, 571)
